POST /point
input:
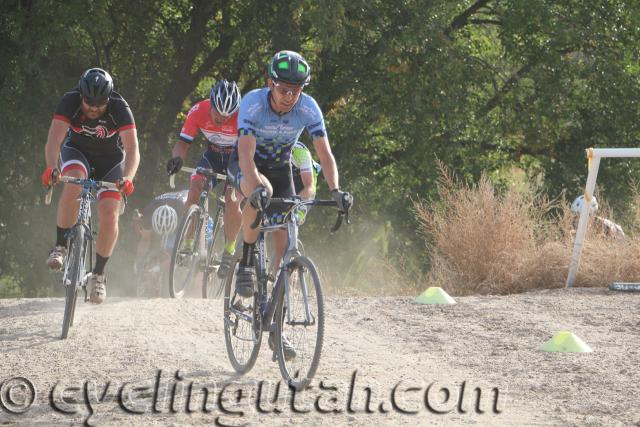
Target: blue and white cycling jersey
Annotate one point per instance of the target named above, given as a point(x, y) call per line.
point(276, 134)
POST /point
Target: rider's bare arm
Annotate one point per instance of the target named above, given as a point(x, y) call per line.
point(57, 132)
point(327, 161)
point(308, 192)
point(129, 139)
point(181, 149)
point(246, 151)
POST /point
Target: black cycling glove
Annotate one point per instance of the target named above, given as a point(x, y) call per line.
point(174, 165)
point(343, 199)
point(259, 199)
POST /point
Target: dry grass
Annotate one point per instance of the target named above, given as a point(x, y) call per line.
point(481, 242)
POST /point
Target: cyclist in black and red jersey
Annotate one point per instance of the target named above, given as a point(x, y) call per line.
point(217, 119)
point(92, 135)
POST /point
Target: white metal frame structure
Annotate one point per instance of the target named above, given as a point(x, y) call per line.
point(593, 155)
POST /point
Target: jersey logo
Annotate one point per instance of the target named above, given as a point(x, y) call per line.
point(193, 109)
point(99, 132)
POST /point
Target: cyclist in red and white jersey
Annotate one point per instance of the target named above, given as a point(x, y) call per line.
point(217, 119)
point(92, 135)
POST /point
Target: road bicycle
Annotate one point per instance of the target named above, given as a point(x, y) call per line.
point(200, 241)
point(289, 306)
point(77, 265)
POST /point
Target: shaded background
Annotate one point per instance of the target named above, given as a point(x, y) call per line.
point(505, 87)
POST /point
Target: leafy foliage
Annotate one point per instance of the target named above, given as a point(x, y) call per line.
point(484, 86)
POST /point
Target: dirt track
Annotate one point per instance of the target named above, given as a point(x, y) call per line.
point(485, 342)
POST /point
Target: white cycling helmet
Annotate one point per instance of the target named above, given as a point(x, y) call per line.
point(225, 97)
point(164, 220)
point(576, 206)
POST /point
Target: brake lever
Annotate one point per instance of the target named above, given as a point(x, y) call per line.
point(123, 204)
point(258, 220)
point(338, 222)
point(47, 197)
point(48, 194)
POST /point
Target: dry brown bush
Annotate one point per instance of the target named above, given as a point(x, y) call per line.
point(482, 242)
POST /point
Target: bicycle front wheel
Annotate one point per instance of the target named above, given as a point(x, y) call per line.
point(72, 279)
point(299, 324)
point(242, 328)
point(186, 253)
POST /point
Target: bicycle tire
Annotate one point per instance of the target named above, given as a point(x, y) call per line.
point(253, 338)
point(181, 255)
point(86, 244)
point(299, 371)
point(212, 286)
point(75, 249)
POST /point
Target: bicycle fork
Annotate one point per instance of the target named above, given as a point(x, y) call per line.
point(292, 250)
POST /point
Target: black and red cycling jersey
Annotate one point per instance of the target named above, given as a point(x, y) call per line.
point(99, 136)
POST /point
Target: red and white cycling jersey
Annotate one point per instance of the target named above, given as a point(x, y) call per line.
point(199, 118)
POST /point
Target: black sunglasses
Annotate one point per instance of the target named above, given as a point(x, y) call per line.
point(96, 104)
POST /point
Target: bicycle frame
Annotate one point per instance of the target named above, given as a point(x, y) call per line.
point(268, 305)
point(83, 220)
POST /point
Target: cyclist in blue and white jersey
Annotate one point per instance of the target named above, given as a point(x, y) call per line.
point(270, 121)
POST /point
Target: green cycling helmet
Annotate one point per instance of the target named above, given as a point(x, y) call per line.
point(289, 67)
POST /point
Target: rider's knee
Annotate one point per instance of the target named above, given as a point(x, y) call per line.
point(109, 210)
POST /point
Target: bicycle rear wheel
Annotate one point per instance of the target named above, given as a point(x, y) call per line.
point(242, 328)
point(186, 252)
point(212, 286)
point(72, 278)
point(299, 318)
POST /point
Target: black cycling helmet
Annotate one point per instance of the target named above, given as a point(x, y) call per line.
point(95, 86)
point(225, 97)
point(289, 67)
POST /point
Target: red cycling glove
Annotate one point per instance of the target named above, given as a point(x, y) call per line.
point(125, 186)
point(50, 176)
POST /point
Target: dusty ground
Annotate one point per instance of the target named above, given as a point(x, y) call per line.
point(484, 342)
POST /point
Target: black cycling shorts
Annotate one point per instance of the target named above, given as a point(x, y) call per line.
point(214, 160)
point(103, 167)
point(279, 176)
